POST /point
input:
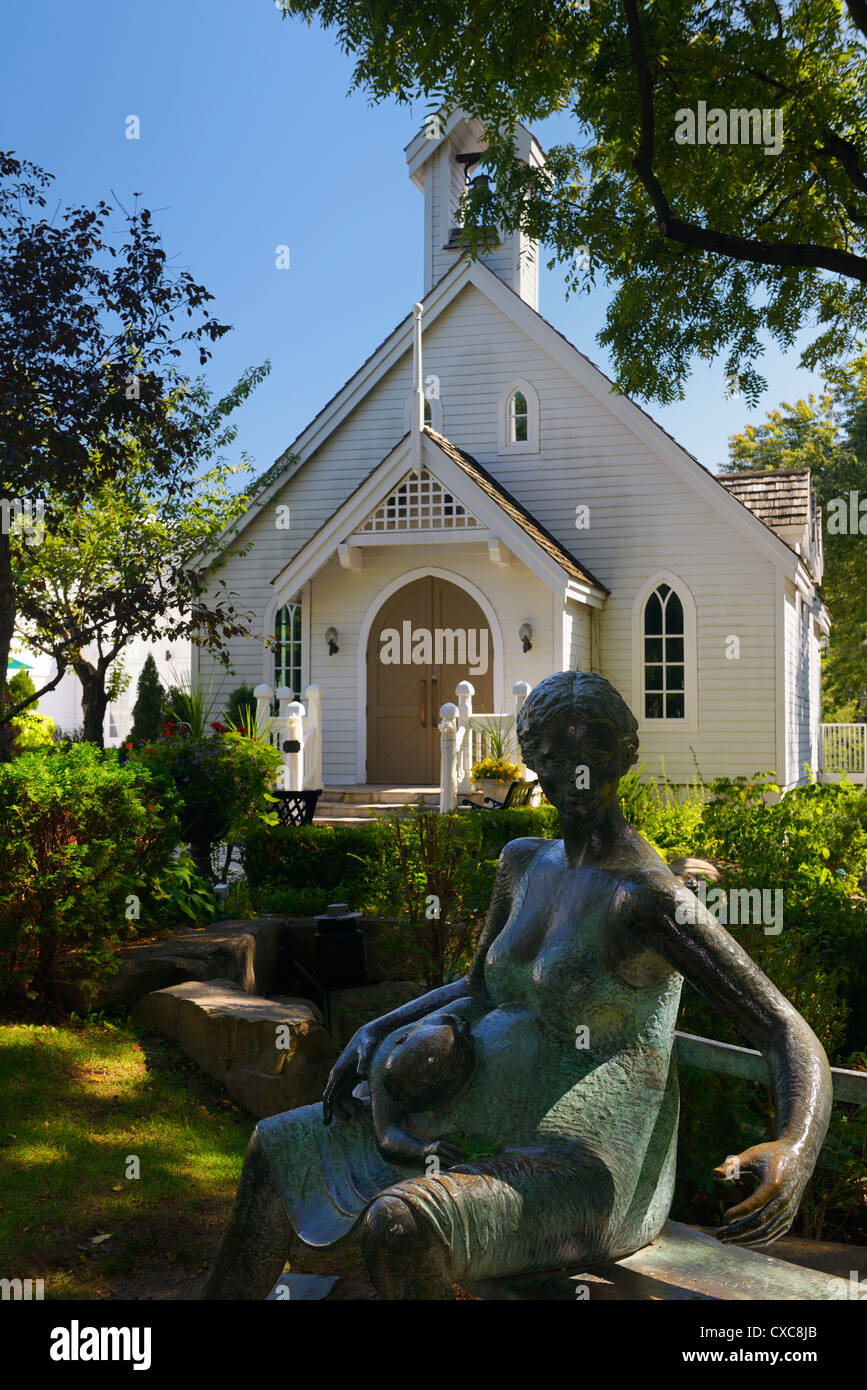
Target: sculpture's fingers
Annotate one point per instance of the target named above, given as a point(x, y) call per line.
point(331, 1093)
point(346, 1107)
point(773, 1232)
point(755, 1214)
point(449, 1154)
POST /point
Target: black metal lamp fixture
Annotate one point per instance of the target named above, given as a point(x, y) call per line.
point(525, 632)
point(331, 639)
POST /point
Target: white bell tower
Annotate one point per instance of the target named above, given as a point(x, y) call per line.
point(443, 158)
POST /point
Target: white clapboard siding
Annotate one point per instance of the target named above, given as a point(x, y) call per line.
point(798, 639)
point(643, 518)
point(576, 637)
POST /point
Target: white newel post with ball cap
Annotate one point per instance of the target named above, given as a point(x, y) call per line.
point(263, 695)
point(520, 690)
point(313, 738)
point(295, 733)
point(465, 691)
point(448, 727)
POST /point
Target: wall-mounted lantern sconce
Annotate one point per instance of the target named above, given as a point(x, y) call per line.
point(331, 639)
point(525, 632)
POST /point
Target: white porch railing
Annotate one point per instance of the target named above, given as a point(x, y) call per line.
point(843, 749)
point(465, 738)
point(302, 768)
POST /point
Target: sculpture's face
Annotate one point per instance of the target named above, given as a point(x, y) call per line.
point(577, 766)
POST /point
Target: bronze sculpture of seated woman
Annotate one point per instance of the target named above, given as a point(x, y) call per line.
point(568, 1073)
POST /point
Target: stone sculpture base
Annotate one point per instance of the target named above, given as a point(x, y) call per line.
point(681, 1263)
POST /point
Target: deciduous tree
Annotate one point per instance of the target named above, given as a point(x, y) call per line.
point(713, 231)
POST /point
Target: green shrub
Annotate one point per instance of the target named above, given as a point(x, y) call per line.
point(314, 860)
point(79, 835)
point(219, 783)
point(20, 686)
point(811, 844)
point(147, 712)
point(34, 730)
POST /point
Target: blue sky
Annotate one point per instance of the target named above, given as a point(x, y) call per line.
point(248, 142)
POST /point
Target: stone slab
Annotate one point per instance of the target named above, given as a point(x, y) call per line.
point(243, 951)
point(270, 1054)
point(681, 1264)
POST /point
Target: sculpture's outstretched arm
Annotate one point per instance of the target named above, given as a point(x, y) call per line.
point(681, 930)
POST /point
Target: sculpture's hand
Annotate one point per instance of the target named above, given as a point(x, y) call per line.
point(769, 1211)
point(446, 1154)
point(350, 1068)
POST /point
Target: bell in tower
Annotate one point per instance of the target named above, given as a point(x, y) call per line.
point(444, 161)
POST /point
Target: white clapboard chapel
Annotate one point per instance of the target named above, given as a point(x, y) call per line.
point(477, 505)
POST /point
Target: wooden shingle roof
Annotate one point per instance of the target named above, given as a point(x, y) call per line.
point(780, 497)
point(513, 508)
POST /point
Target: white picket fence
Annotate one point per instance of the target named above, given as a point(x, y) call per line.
point(843, 749)
point(465, 738)
point(302, 770)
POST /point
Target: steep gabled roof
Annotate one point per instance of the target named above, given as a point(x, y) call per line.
point(513, 508)
point(398, 344)
point(499, 514)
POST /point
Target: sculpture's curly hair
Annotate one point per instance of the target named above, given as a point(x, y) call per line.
point(590, 697)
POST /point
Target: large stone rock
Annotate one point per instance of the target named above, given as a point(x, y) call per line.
point(253, 953)
point(244, 952)
point(270, 1054)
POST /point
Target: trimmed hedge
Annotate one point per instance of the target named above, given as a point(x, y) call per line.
point(303, 868)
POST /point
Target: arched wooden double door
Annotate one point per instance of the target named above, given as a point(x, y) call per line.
point(427, 637)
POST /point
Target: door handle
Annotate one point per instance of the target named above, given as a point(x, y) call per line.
point(423, 711)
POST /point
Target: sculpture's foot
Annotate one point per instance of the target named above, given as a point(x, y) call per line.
point(404, 1257)
point(257, 1241)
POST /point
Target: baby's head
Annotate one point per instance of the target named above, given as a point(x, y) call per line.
point(431, 1064)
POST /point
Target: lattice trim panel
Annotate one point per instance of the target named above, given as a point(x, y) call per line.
point(420, 503)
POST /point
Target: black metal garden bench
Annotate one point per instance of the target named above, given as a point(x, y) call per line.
point(519, 794)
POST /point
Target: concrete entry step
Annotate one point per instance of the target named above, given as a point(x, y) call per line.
point(681, 1264)
point(360, 805)
point(378, 793)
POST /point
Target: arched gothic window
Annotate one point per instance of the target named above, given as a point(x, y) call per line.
point(664, 657)
point(518, 418)
point(287, 657)
point(518, 427)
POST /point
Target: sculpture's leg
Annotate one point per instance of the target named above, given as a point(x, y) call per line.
point(258, 1238)
point(404, 1256)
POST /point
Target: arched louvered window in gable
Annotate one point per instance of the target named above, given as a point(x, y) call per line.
point(518, 428)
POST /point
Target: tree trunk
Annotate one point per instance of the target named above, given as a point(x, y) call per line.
point(7, 627)
point(94, 701)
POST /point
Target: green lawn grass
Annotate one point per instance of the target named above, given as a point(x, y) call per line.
point(77, 1101)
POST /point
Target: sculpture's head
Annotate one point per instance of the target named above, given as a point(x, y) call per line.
point(579, 737)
